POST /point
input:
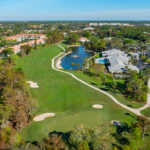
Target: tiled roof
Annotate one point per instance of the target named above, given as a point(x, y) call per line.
point(20, 35)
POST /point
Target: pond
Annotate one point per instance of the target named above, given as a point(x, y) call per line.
point(76, 57)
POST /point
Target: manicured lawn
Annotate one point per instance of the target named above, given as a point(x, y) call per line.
point(146, 112)
point(95, 81)
point(63, 95)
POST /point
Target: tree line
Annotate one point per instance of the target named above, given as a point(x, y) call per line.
point(126, 136)
point(16, 103)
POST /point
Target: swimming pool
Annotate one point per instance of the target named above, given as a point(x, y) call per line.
point(100, 61)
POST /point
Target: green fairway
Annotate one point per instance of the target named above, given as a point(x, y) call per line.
point(63, 95)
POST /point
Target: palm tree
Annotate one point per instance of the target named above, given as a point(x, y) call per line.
point(143, 124)
point(78, 66)
point(73, 65)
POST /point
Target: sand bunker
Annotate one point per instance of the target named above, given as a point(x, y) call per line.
point(33, 84)
point(97, 106)
point(43, 116)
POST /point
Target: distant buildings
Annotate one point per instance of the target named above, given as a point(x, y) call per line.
point(88, 28)
point(110, 24)
point(93, 24)
point(32, 39)
point(147, 25)
point(17, 48)
point(23, 37)
point(118, 61)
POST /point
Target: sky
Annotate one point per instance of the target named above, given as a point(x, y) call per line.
point(23, 10)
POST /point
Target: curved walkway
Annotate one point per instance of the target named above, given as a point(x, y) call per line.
point(135, 111)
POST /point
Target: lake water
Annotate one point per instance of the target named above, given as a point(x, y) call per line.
point(77, 57)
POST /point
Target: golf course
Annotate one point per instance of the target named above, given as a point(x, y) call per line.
point(59, 93)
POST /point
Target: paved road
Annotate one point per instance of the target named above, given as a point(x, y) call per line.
point(135, 111)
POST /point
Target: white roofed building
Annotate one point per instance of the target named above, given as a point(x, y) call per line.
point(119, 61)
point(93, 24)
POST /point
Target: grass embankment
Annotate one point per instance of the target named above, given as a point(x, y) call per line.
point(63, 95)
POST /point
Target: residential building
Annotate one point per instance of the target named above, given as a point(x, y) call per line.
point(23, 37)
point(88, 28)
point(118, 61)
point(17, 48)
point(31, 38)
point(93, 24)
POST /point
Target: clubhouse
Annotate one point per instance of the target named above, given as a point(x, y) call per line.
point(118, 61)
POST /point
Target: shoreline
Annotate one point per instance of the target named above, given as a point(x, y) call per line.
point(88, 50)
point(74, 45)
point(58, 61)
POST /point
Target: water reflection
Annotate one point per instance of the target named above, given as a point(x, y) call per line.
point(76, 58)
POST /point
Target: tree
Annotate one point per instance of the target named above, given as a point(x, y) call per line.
point(86, 34)
point(113, 85)
point(35, 43)
point(8, 52)
point(85, 139)
point(73, 38)
point(16, 108)
point(73, 65)
point(26, 146)
point(78, 66)
point(54, 142)
point(54, 37)
point(3, 43)
point(5, 131)
point(136, 88)
point(103, 79)
point(95, 44)
point(25, 50)
point(144, 124)
point(8, 61)
point(79, 136)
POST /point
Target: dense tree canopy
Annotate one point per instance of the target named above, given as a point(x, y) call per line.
point(16, 107)
point(136, 89)
point(72, 38)
point(95, 44)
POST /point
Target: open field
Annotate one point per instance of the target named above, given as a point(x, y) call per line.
point(69, 99)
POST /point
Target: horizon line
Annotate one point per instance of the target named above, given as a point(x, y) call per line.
point(92, 20)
